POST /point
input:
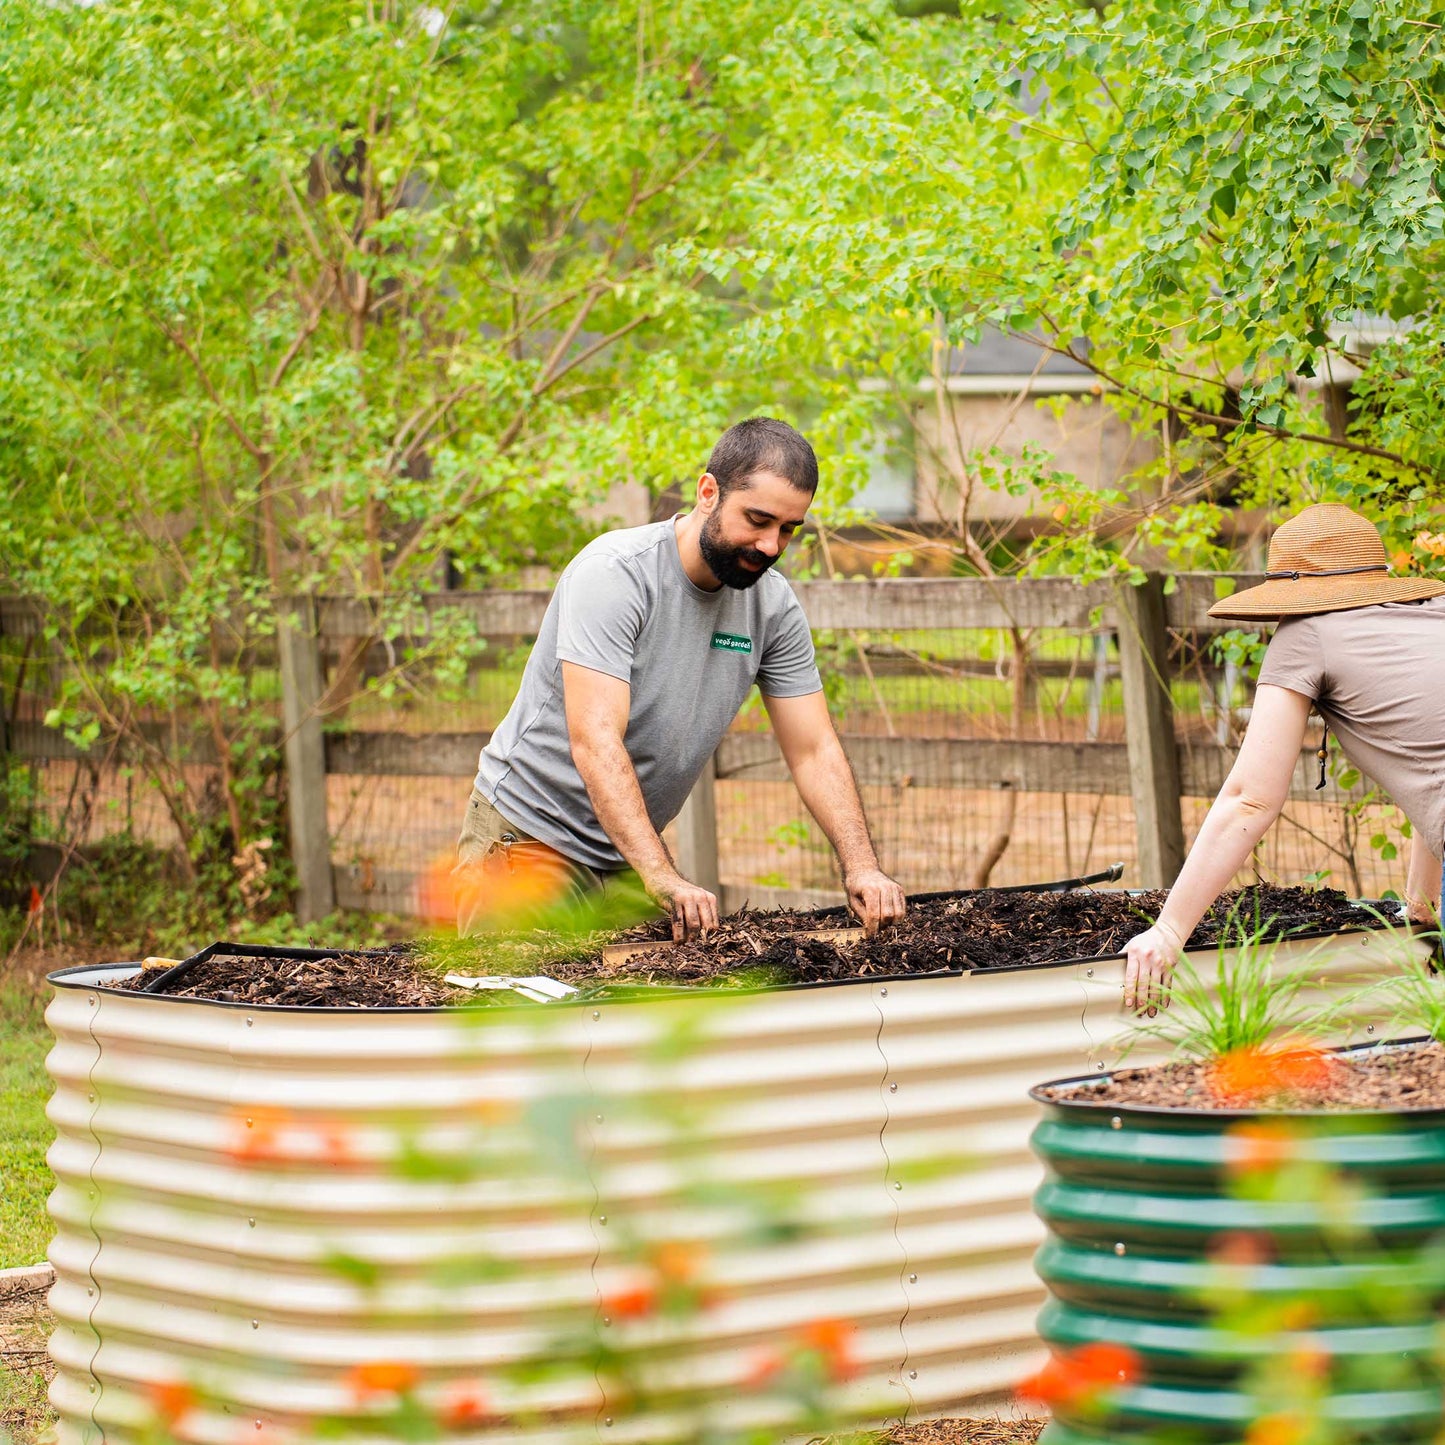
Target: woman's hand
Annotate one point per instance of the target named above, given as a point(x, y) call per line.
point(1152, 956)
point(1422, 910)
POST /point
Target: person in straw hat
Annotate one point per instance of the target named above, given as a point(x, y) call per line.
point(1366, 651)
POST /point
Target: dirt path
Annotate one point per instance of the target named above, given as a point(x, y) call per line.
point(25, 1367)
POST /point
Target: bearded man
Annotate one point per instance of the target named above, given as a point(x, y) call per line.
point(652, 640)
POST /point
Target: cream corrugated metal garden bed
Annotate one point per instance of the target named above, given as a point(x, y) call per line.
point(253, 1201)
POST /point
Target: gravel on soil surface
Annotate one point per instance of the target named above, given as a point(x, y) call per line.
point(1394, 1077)
point(986, 930)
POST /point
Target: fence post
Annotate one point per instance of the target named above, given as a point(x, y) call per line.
point(299, 648)
point(1149, 732)
point(697, 832)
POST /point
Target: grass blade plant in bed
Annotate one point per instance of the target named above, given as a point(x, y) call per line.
point(1248, 1003)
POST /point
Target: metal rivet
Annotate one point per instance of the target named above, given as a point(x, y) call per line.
point(898, 1184)
point(882, 993)
point(248, 1123)
point(913, 1374)
point(1100, 1064)
point(597, 1014)
point(252, 1223)
point(91, 1097)
point(255, 1324)
point(249, 1022)
point(1088, 973)
point(599, 1118)
point(1119, 1248)
point(90, 1291)
point(893, 1088)
point(1116, 1122)
point(912, 1279)
point(92, 1000)
point(602, 1219)
point(608, 1420)
point(92, 1388)
point(1369, 1029)
point(606, 1319)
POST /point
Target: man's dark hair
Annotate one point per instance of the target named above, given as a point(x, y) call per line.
point(762, 444)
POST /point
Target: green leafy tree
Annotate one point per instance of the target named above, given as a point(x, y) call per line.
point(308, 298)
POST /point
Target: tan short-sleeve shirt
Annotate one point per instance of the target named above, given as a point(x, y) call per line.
point(1377, 677)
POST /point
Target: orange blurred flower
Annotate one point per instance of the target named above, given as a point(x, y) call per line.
point(262, 1133)
point(382, 1377)
point(465, 1403)
point(1309, 1362)
point(494, 1111)
point(1241, 1249)
point(1080, 1376)
point(256, 1132)
point(172, 1400)
point(833, 1340)
point(1258, 1146)
point(1402, 561)
point(1252, 1075)
point(678, 1261)
point(1299, 1314)
point(495, 892)
point(765, 1367)
point(1284, 1428)
point(633, 1302)
point(1431, 542)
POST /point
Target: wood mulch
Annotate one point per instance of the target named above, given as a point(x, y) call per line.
point(979, 931)
point(391, 979)
point(1393, 1077)
point(991, 929)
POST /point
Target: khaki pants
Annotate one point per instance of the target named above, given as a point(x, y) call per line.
point(502, 862)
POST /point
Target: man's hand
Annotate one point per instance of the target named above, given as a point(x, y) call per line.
point(693, 909)
point(875, 898)
point(1152, 956)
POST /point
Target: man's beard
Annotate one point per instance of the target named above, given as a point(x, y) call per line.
point(724, 560)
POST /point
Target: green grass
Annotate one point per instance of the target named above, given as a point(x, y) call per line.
point(25, 1133)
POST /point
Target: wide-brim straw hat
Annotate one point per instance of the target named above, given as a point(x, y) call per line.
point(1327, 559)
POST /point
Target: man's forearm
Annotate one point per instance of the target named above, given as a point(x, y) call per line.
point(828, 789)
point(617, 800)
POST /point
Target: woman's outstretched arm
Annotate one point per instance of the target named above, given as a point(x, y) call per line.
point(1249, 802)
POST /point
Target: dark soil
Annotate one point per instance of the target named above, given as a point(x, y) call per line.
point(350, 980)
point(977, 931)
point(1394, 1077)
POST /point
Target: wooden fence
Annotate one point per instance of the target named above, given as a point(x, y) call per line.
point(1150, 766)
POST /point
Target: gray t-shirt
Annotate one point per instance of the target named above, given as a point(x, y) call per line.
point(625, 607)
point(1375, 675)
